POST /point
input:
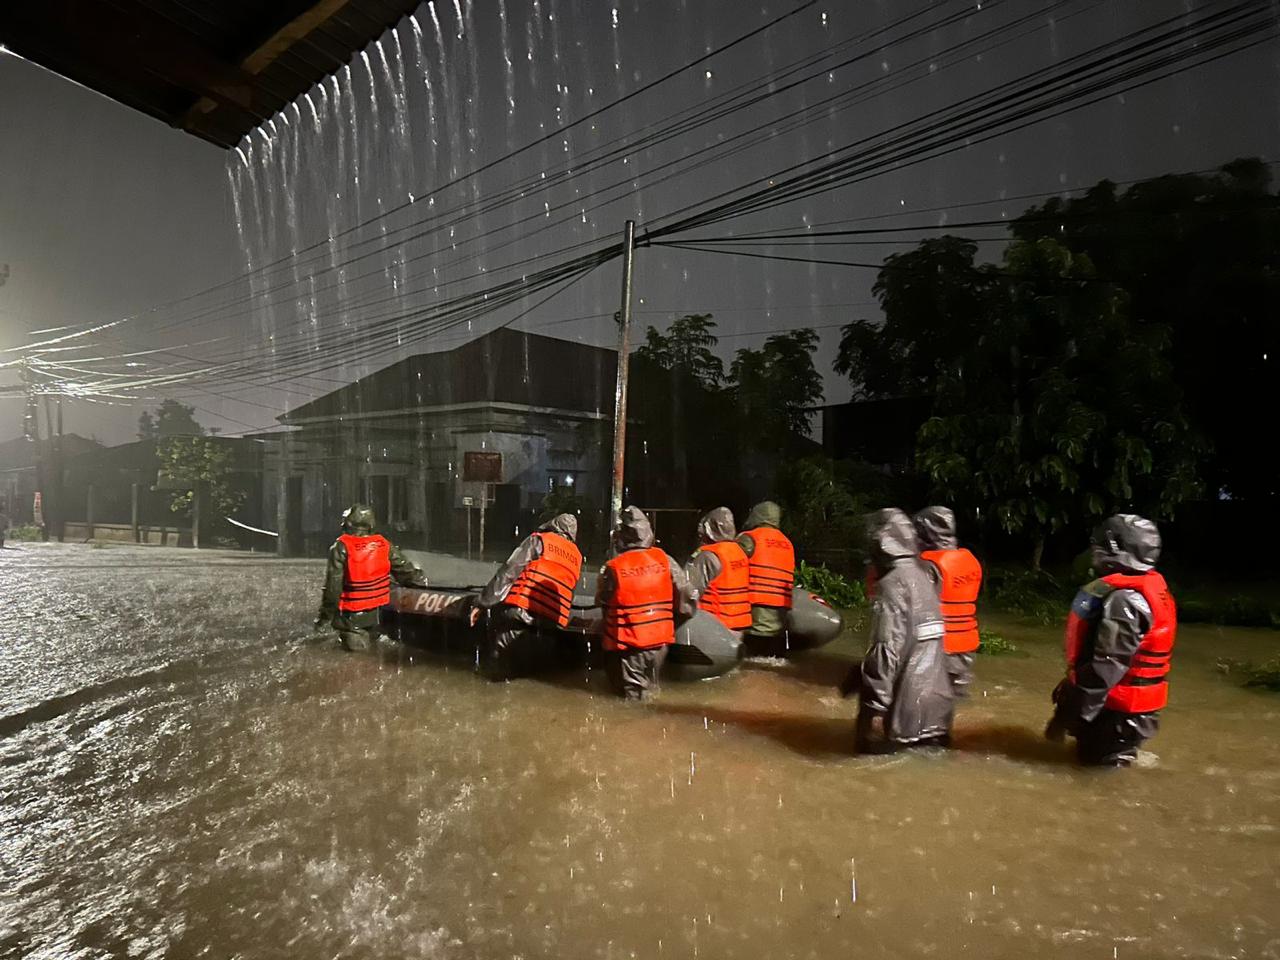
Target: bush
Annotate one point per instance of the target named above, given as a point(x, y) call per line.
point(995, 645)
point(1265, 674)
point(831, 586)
point(27, 533)
point(1028, 593)
point(1233, 611)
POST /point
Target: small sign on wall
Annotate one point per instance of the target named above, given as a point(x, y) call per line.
point(480, 466)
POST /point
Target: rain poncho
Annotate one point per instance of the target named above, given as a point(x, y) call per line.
point(513, 646)
point(704, 566)
point(936, 530)
point(529, 550)
point(765, 621)
point(634, 673)
point(1126, 544)
point(904, 678)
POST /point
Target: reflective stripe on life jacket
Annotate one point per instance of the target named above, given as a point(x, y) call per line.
point(773, 568)
point(545, 586)
point(366, 581)
point(961, 577)
point(727, 595)
point(1145, 687)
point(640, 612)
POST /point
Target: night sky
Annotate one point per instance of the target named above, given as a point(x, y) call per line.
point(106, 213)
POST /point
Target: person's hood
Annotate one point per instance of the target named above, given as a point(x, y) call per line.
point(936, 528)
point(359, 519)
point(891, 538)
point(716, 525)
point(763, 514)
point(565, 524)
point(1125, 543)
point(634, 531)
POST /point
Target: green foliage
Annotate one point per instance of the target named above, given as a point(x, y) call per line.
point(686, 348)
point(198, 461)
point(27, 533)
point(1234, 610)
point(171, 419)
point(1265, 674)
point(933, 301)
point(1028, 593)
point(694, 425)
point(995, 645)
point(820, 508)
point(1063, 410)
point(1196, 253)
point(775, 389)
point(831, 586)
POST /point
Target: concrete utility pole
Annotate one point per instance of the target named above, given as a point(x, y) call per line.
point(620, 395)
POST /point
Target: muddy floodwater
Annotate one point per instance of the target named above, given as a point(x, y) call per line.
point(186, 772)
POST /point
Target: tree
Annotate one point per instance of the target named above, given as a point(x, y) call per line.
point(1063, 409)
point(191, 463)
point(171, 419)
point(676, 383)
point(933, 299)
point(824, 502)
point(1198, 255)
point(776, 388)
point(686, 349)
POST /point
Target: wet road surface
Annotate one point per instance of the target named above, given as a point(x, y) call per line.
point(185, 771)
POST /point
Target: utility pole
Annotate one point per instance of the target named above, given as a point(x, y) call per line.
point(620, 394)
point(54, 506)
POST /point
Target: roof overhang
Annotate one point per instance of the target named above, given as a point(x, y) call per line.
point(214, 68)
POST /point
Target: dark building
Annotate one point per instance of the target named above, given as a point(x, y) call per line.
point(20, 472)
point(118, 493)
point(510, 416)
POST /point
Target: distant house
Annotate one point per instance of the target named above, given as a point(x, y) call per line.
point(19, 472)
point(878, 432)
point(108, 489)
point(511, 415)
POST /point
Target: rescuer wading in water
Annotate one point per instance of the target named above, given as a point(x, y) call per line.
point(532, 590)
point(1119, 644)
point(719, 572)
point(905, 693)
point(957, 575)
point(643, 594)
point(772, 572)
point(357, 584)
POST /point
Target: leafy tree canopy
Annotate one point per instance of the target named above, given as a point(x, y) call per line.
point(198, 463)
point(776, 388)
point(171, 419)
point(1063, 408)
point(1198, 256)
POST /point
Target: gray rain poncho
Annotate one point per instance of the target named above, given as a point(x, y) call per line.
point(715, 526)
point(1127, 544)
point(904, 674)
point(529, 550)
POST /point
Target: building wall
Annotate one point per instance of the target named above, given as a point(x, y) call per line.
point(411, 468)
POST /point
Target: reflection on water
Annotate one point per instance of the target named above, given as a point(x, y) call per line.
point(184, 772)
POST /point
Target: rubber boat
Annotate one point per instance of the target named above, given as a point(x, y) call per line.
point(704, 648)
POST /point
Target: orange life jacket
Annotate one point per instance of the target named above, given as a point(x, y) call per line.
point(773, 568)
point(366, 582)
point(545, 586)
point(1145, 686)
point(727, 595)
point(640, 612)
point(961, 577)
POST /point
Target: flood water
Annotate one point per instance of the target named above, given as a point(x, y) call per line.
point(186, 772)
